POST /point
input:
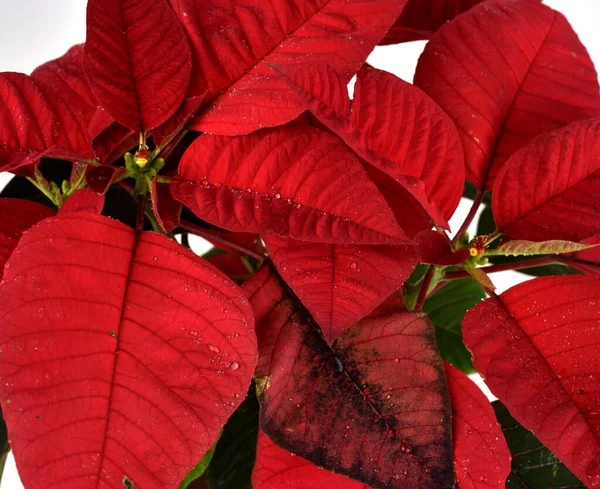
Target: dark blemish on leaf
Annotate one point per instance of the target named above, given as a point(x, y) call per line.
point(112, 333)
point(127, 483)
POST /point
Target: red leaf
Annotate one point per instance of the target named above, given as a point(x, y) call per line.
point(374, 406)
point(230, 265)
point(65, 77)
point(436, 249)
point(392, 125)
point(481, 456)
point(84, 200)
point(16, 216)
point(294, 180)
point(113, 142)
point(165, 132)
point(137, 60)
point(234, 43)
point(36, 121)
point(340, 284)
point(166, 209)
point(563, 168)
point(100, 178)
point(131, 351)
point(537, 347)
point(586, 261)
point(276, 468)
point(503, 71)
point(421, 18)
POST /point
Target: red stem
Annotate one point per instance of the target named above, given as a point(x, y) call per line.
point(424, 288)
point(208, 234)
point(141, 213)
point(470, 216)
point(503, 267)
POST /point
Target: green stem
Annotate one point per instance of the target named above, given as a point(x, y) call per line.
point(44, 191)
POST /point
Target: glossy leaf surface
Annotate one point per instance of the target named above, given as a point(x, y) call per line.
point(233, 44)
point(533, 465)
point(373, 406)
point(504, 72)
point(340, 284)
point(446, 309)
point(16, 216)
point(131, 348)
point(277, 468)
point(536, 345)
point(294, 180)
point(564, 169)
point(137, 60)
point(481, 456)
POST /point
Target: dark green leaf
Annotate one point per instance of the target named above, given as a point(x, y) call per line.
point(231, 467)
point(533, 465)
point(446, 308)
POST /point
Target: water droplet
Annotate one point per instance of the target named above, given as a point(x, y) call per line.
point(353, 265)
point(234, 366)
point(214, 349)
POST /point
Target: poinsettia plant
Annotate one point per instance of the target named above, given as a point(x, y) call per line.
point(325, 340)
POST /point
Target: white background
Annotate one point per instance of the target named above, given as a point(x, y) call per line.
point(35, 31)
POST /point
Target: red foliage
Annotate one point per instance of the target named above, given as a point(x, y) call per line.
point(124, 356)
point(537, 346)
point(144, 348)
point(500, 99)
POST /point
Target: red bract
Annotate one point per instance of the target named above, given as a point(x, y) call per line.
point(140, 76)
point(84, 200)
point(564, 167)
point(340, 284)
point(36, 121)
point(392, 125)
point(421, 18)
point(16, 216)
point(277, 468)
point(537, 347)
point(125, 359)
point(503, 72)
point(143, 352)
point(295, 181)
point(373, 406)
point(481, 457)
point(233, 44)
point(587, 261)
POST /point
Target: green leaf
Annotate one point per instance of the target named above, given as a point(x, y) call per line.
point(199, 470)
point(486, 225)
point(446, 308)
point(533, 465)
point(518, 247)
point(232, 464)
